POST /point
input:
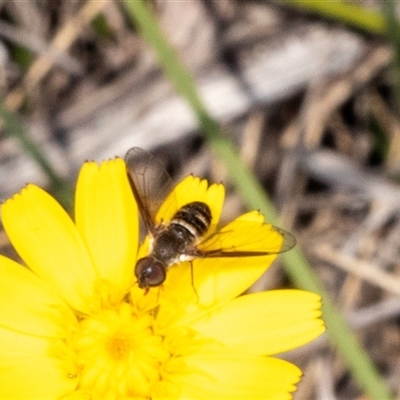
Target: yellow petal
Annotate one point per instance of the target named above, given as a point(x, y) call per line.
point(29, 306)
point(229, 375)
point(47, 240)
point(32, 368)
point(246, 233)
point(211, 282)
point(193, 189)
point(267, 322)
point(107, 217)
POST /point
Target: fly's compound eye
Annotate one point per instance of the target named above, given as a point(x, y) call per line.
point(149, 272)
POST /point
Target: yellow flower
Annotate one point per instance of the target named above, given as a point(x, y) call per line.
point(75, 324)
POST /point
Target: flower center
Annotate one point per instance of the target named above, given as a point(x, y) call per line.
point(119, 346)
point(118, 353)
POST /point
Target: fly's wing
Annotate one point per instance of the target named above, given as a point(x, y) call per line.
point(245, 239)
point(150, 184)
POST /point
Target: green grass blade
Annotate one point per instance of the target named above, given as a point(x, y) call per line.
point(369, 20)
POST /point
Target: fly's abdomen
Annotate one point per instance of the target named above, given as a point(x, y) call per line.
point(195, 217)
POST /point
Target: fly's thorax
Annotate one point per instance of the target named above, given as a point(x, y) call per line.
point(187, 226)
point(171, 243)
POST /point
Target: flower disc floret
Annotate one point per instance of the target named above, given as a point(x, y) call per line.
point(118, 353)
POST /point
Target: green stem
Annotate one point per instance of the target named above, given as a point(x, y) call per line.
point(254, 196)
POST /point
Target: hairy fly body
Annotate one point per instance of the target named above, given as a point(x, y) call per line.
point(171, 243)
point(175, 241)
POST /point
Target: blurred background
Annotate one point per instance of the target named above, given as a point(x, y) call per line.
point(308, 93)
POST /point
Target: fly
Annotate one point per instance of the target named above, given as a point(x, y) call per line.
point(178, 240)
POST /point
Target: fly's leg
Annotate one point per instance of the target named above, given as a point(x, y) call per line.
point(192, 281)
